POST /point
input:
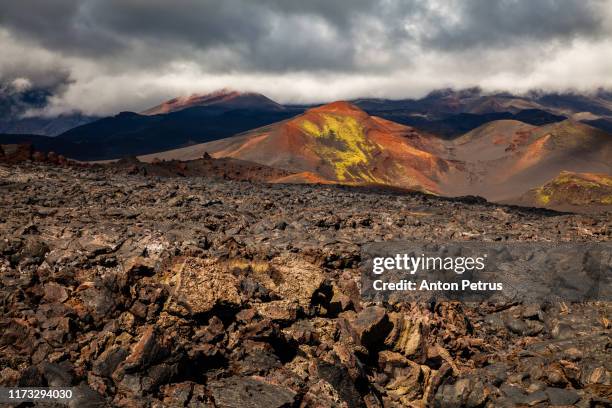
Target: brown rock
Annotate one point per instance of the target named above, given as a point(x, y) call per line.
point(302, 331)
point(55, 293)
point(39, 156)
point(177, 395)
point(17, 333)
point(246, 315)
point(9, 377)
point(337, 375)
point(97, 244)
point(573, 354)
point(407, 379)
point(339, 302)
point(198, 285)
point(139, 266)
point(279, 310)
point(144, 352)
point(34, 249)
point(211, 333)
point(595, 374)
point(52, 157)
point(16, 153)
point(407, 335)
point(109, 360)
point(555, 375)
point(97, 301)
point(291, 278)
point(371, 327)
point(322, 394)
point(453, 394)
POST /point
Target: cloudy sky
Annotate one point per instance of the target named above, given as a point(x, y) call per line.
point(103, 56)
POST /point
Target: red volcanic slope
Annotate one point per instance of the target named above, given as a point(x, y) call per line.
point(341, 143)
point(222, 98)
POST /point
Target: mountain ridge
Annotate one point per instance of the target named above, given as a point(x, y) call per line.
point(225, 98)
point(340, 142)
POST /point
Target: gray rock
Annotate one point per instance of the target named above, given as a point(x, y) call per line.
point(534, 398)
point(108, 361)
point(453, 394)
point(514, 393)
point(85, 397)
point(248, 392)
point(561, 396)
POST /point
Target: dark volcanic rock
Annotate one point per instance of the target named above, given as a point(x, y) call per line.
point(248, 392)
point(147, 291)
point(560, 396)
point(372, 326)
point(15, 153)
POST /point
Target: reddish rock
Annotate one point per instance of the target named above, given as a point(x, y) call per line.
point(143, 352)
point(39, 156)
point(55, 293)
point(52, 157)
point(177, 395)
point(16, 153)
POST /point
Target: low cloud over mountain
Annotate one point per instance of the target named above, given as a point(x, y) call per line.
point(130, 55)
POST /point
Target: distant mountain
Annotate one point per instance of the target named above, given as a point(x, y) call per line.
point(131, 134)
point(449, 112)
point(599, 103)
point(604, 124)
point(455, 125)
point(46, 126)
point(224, 99)
point(580, 192)
point(441, 103)
point(505, 158)
point(339, 142)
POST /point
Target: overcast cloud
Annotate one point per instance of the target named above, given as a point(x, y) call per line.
point(103, 56)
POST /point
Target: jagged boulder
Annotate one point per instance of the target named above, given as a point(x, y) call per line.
point(199, 285)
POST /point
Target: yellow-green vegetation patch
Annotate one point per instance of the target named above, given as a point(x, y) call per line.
point(576, 189)
point(542, 197)
point(341, 142)
point(310, 128)
point(567, 178)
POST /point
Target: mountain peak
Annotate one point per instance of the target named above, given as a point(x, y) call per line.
point(341, 107)
point(226, 98)
point(223, 94)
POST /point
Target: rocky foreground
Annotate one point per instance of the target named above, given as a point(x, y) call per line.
point(144, 291)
